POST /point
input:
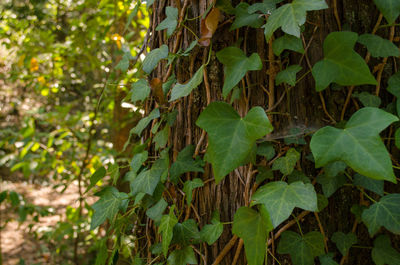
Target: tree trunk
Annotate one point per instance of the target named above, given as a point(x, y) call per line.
point(301, 106)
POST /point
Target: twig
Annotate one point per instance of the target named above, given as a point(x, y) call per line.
point(225, 250)
point(379, 76)
point(321, 228)
point(237, 253)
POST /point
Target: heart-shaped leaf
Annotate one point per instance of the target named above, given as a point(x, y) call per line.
point(288, 75)
point(358, 144)
point(383, 252)
point(182, 90)
point(170, 22)
point(344, 241)
point(287, 42)
point(378, 46)
point(166, 229)
point(244, 18)
point(287, 163)
point(231, 138)
point(182, 256)
point(151, 60)
point(140, 90)
point(389, 8)
point(341, 63)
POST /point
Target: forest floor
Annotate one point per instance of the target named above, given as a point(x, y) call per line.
point(18, 245)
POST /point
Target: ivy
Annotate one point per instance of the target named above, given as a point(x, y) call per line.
point(170, 22)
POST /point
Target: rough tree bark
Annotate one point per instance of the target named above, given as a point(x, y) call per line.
point(302, 105)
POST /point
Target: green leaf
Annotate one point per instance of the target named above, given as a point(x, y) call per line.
point(383, 252)
point(389, 8)
point(170, 22)
point(111, 200)
point(385, 213)
point(327, 259)
point(244, 18)
point(123, 64)
point(144, 122)
point(266, 149)
point(97, 175)
point(330, 183)
point(185, 163)
point(394, 84)
point(253, 228)
point(3, 195)
point(161, 138)
point(297, 176)
point(358, 144)
point(322, 202)
point(280, 199)
point(266, 7)
point(14, 198)
point(291, 16)
point(182, 90)
point(189, 186)
point(151, 60)
point(138, 160)
point(397, 138)
point(166, 229)
point(157, 210)
point(288, 75)
point(231, 138)
point(182, 256)
point(287, 42)
point(236, 65)
point(287, 163)
point(140, 90)
point(302, 249)
point(378, 46)
point(341, 63)
point(369, 184)
point(211, 232)
point(344, 241)
point(186, 233)
point(368, 100)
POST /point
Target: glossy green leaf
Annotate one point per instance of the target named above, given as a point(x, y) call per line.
point(286, 163)
point(369, 184)
point(236, 65)
point(189, 186)
point(244, 18)
point(170, 22)
point(186, 233)
point(344, 241)
point(288, 75)
point(389, 8)
point(182, 256)
point(231, 138)
point(302, 249)
point(358, 144)
point(341, 63)
point(384, 213)
point(287, 42)
point(144, 122)
point(378, 46)
point(185, 163)
point(280, 199)
point(151, 60)
point(368, 100)
point(182, 90)
point(140, 90)
point(166, 229)
point(291, 16)
point(107, 206)
point(97, 175)
point(253, 228)
point(383, 252)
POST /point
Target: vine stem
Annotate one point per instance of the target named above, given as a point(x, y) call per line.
point(225, 250)
point(379, 76)
point(237, 253)
point(321, 228)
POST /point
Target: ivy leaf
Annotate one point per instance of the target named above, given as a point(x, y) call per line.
point(138, 160)
point(266, 7)
point(231, 138)
point(368, 100)
point(327, 259)
point(331, 183)
point(161, 138)
point(182, 257)
point(189, 186)
point(97, 175)
point(182, 90)
point(266, 149)
point(166, 228)
point(385, 213)
point(383, 252)
point(111, 200)
point(369, 184)
point(186, 233)
point(185, 163)
point(253, 228)
point(287, 42)
point(389, 8)
point(358, 144)
point(236, 65)
point(394, 84)
point(156, 211)
point(144, 122)
point(123, 64)
point(152, 59)
point(302, 249)
point(397, 138)
point(378, 46)
point(344, 241)
point(288, 75)
point(244, 18)
point(280, 199)
point(170, 22)
point(140, 90)
point(341, 63)
point(211, 232)
point(287, 163)
point(291, 16)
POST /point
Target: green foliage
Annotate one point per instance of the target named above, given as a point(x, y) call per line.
point(358, 144)
point(182, 256)
point(211, 232)
point(152, 59)
point(389, 8)
point(383, 252)
point(344, 241)
point(302, 249)
point(189, 186)
point(288, 75)
point(377, 46)
point(287, 42)
point(170, 22)
point(228, 152)
point(140, 90)
point(287, 163)
point(253, 228)
point(167, 224)
point(244, 18)
point(182, 90)
point(185, 163)
point(341, 63)
point(236, 65)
